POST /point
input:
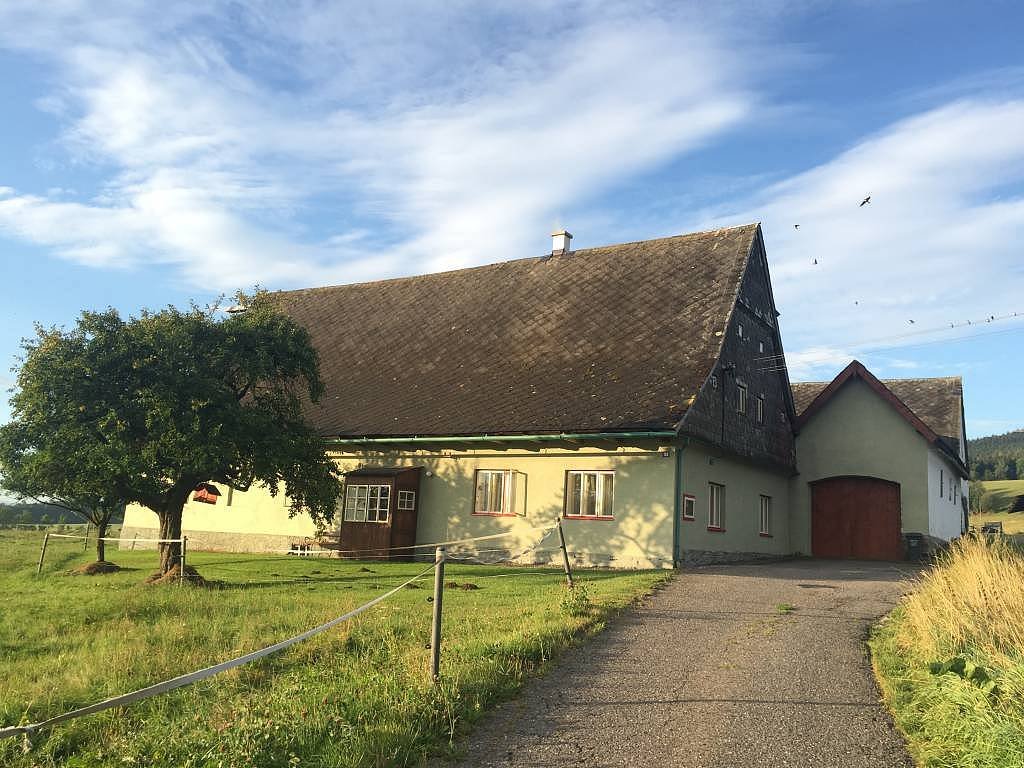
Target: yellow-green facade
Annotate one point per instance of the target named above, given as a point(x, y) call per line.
point(639, 535)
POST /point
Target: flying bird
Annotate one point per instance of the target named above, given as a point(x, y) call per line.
point(911, 322)
point(815, 261)
point(865, 201)
point(796, 226)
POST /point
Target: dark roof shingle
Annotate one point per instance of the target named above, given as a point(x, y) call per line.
point(615, 338)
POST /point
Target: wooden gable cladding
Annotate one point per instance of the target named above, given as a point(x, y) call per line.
point(378, 513)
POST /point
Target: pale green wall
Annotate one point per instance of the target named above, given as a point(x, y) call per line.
point(858, 433)
point(639, 536)
point(744, 484)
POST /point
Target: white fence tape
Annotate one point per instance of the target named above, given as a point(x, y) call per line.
point(202, 674)
point(196, 545)
point(110, 538)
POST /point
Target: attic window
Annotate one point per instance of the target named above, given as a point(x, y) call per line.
point(739, 330)
point(714, 381)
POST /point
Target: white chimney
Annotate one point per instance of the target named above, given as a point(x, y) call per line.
point(560, 242)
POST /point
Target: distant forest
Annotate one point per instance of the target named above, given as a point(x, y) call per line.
point(999, 457)
point(25, 512)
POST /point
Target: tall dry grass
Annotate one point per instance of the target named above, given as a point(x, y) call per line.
point(971, 603)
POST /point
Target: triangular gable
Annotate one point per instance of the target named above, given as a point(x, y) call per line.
point(856, 370)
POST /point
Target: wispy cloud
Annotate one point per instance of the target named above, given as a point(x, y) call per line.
point(938, 244)
point(218, 131)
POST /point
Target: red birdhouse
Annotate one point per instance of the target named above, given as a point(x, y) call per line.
point(206, 493)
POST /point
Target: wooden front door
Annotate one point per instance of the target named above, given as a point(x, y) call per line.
point(857, 518)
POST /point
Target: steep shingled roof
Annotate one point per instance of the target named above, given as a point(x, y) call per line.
point(616, 338)
point(937, 402)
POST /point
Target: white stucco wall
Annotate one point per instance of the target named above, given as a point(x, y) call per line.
point(945, 513)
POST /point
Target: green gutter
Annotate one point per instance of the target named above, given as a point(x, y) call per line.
point(561, 436)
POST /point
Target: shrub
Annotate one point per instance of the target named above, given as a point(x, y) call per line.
point(576, 602)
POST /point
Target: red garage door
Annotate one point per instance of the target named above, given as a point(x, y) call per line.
point(856, 517)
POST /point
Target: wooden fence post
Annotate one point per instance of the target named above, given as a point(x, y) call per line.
point(181, 560)
point(435, 629)
point(42, 554)
point(565, 555)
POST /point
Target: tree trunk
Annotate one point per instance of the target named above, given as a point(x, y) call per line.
point(101, 532)
point(170, 528)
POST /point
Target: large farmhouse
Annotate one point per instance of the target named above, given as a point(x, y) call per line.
point(636, 392)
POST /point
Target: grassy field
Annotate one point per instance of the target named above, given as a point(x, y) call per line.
point(357, 695)
point(1001, 492)
point(950, 659)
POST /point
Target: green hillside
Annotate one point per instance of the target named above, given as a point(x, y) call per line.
point(997, 457)
point(996, 495)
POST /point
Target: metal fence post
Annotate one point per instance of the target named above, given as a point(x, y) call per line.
point(42, 554)
point(181, 560)
point(565, 555)
point(133, 541)
point(85, 544)
point(435, 629)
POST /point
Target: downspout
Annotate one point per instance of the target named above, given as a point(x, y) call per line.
point(677, 506)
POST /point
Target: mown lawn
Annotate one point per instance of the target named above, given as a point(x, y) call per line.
point(950, 659)
point(357, 695)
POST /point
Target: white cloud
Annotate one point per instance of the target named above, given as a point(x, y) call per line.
point(221, 129)
point(938, 244)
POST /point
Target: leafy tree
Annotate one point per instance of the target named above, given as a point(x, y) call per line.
point(148, 408)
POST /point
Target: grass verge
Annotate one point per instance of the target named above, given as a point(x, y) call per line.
point(950, 659)
point(358, 695)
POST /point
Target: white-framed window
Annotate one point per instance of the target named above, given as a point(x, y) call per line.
point(689, 507)
point(493, 490)
point(766, 515)
point(407, 500)
point(716, 506)
point(367, 503)
point(760, 347)
point(714, 381)
point(739, 330)
point(760, 409)
point(741, 398)
point(590, 493)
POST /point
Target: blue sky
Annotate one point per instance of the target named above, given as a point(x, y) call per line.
point(153, 155)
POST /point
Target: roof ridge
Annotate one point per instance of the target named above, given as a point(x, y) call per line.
point(493, 264)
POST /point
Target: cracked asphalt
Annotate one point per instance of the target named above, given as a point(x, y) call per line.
point(711, 671)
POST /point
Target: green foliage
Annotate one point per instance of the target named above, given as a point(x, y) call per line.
point(950, 660)
point(144, 409)
point(576, 601)
point(357, 695)
point(998, 457)
point(955, 713)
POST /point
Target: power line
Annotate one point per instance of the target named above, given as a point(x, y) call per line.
point(777, 361)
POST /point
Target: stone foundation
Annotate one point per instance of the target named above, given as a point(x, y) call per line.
point(221, 541)
point(707, 557)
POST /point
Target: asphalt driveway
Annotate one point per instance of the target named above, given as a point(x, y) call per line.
point(710, 671)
